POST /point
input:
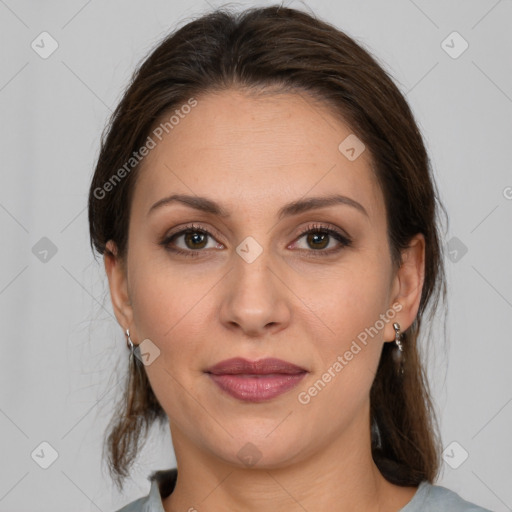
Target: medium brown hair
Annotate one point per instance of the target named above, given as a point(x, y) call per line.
point(287, 50)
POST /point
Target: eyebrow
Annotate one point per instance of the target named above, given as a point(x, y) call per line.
point(295, 207)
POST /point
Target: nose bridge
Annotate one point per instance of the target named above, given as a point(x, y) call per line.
point(253, 298)
point(252, 270)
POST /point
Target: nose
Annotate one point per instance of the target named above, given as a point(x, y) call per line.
point(256, 300)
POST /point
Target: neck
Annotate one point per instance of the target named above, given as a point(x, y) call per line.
point(342, 476)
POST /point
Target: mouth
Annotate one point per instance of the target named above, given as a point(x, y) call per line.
point(255, 381)
point(267, 366)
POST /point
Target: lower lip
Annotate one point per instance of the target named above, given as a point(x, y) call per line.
point(257, 388)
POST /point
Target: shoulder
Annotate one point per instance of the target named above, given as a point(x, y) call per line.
point(436, 498)
point(134, 506)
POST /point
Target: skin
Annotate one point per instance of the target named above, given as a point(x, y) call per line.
point(253, 154)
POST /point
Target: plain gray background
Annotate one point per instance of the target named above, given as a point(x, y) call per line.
point(63, 354)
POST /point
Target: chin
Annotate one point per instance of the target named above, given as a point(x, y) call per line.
point(260, 451)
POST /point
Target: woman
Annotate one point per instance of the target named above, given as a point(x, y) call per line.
point(268, 219)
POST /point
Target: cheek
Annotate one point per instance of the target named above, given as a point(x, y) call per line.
point(171, 308)
point(166, 310)
point(351, 300)
point(162, 297)
point(349, 351)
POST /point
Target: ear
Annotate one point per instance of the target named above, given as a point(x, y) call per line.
point(118, 283)
point(408, 285)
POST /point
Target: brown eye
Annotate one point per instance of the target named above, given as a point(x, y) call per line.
point(319, 237)
point(194, 239)
point(318, 240)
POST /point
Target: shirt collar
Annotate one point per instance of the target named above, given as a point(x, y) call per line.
point(164, 481)
point(162, 484)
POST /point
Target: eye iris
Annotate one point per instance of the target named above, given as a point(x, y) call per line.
point(195, 236)
point(315, 237)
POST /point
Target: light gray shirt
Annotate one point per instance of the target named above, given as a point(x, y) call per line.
point(428, 497)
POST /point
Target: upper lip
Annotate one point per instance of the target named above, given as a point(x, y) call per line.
point(239, 365)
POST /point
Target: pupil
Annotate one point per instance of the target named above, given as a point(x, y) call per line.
point(194, 236)
point(322, 236)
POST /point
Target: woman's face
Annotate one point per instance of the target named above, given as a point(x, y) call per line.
point(254, 286)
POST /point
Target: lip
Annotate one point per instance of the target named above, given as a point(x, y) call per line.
point(256, 388)
point(239, 365)
point(256, 381)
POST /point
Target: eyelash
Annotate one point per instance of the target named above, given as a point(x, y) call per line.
point(315, 228)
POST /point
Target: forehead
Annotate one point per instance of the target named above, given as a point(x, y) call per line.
point(255, 150)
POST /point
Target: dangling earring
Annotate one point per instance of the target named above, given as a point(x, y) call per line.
point(130, 344)
point(398, 352)
point(132, 412)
